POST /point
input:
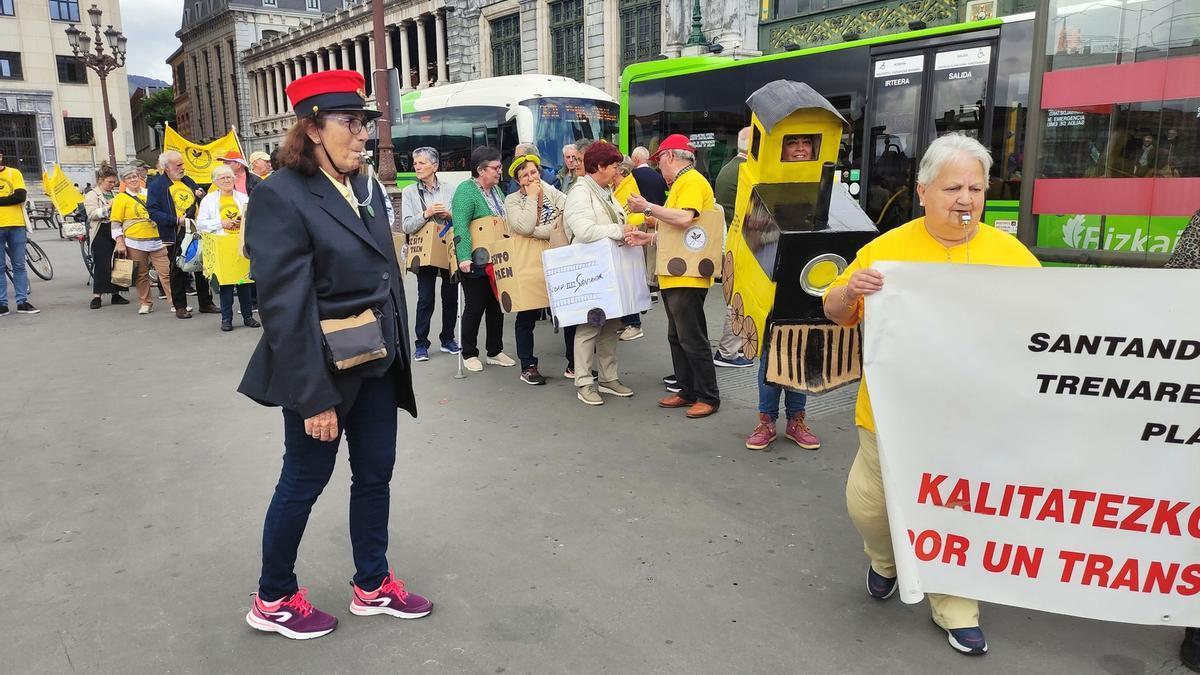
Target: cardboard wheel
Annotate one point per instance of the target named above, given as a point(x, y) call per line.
point(596, 317)
point(737, 312)
point(727, 277)
point(750, 335)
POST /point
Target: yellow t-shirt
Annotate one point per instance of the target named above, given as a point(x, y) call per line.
point(183, 197)
point(229, 208)
point(689, 191)
point(11, 180)
point(626, 188)
point(911, 242)
point(135, 220)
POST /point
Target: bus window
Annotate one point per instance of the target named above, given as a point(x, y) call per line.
point(960, 91)
point(892, 156)
point(1010, 99)
point(560, 121)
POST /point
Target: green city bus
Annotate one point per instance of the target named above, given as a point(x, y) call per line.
point(899, 92)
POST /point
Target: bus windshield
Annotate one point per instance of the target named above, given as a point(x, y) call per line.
point(559, 121)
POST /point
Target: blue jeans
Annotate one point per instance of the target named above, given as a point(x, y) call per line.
point(370, 428)
point(243, 292)
point(768, 394)
point(634, 320)
point(12, 240)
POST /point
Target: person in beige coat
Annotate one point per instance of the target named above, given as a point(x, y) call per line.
point(533, 211)
point(593, 213)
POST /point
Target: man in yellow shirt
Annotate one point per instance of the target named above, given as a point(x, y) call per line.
point(951, 184)
point(13, 237)
point(683, 297)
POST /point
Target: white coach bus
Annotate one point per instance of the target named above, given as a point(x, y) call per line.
point(547, 110)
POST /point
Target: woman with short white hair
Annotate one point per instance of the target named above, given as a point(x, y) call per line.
point(220, 215)
point(952, 183)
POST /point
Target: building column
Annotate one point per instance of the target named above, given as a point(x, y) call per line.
point(365, 60)
point(268, 91)
point(387, 48)
point(440, 41)
point(281, 79)
point(422, 55)
point(345, 55)
point(405, 59)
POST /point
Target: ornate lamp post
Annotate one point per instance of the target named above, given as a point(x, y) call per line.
point(102, 63)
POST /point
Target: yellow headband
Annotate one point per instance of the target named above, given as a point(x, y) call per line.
point(518, 161)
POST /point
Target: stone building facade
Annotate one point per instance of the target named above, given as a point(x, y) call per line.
point(589, 40)
point(51, 106)
point(416, 44)
point(211, 83)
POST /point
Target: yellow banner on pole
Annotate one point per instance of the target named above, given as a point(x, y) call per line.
point(200, 160)
point(61, 191)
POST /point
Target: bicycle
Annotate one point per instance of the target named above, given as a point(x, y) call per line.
point(36, 261)
point(75, 226)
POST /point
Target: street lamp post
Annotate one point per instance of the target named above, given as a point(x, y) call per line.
point(99, 61)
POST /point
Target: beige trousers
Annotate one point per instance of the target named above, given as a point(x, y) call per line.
point(864, 500)
point(596, 349)
point(162, 266)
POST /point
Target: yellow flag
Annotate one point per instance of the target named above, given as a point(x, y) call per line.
point(200, 160)
point(61, 191)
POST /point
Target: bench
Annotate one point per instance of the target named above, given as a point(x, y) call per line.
point(42, 212)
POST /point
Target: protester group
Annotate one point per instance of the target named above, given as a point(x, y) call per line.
point(335, 353)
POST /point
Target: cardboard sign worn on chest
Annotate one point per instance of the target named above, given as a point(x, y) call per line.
point(520, 276)
point(692, 251)
point(485, 232)
point(429, 247)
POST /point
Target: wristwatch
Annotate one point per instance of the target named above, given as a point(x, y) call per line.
point(646, 211)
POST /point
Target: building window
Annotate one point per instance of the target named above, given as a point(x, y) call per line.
point(79, 131)
point(270, 3)
point(6, 8)
point(64, 10)
point(180, 78)
point(566, 38)
point(71, 70)
point(641, 30)
point(506, 45)
point(10, 66)
point(313, 5)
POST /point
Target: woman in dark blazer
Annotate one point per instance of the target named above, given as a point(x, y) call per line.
point(320, 248)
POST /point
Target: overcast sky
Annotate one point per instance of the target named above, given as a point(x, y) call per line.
point(150, 26)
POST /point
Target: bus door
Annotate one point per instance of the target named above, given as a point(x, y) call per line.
point(918, 94)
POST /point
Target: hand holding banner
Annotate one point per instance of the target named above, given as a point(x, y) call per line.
point(1038, 452)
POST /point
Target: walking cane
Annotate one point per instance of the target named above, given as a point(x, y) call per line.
point(459, 375)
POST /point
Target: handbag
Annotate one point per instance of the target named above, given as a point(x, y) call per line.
point(191, 257)
point(122, 272)
point(353, 341)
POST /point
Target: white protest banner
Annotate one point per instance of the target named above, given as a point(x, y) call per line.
point(1039, 434)
point(603, 279)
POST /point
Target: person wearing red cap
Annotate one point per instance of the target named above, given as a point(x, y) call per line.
point(321, 255)
point(244, 180)
point(683, 297)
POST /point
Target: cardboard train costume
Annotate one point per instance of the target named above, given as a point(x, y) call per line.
point(794, 230)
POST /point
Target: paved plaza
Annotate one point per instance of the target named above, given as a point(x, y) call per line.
point(551, 536)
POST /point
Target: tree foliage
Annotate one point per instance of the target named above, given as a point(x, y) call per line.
point(159, 107)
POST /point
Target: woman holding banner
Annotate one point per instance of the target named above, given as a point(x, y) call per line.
point(593, 213)
point(98, 205)
point(475, 200)
point(220, 214)
point(951, 184)
point(534, 211)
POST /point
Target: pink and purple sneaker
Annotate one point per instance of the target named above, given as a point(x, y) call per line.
point(292, 617)
point(391, 599)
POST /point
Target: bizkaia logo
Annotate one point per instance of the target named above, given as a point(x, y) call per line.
point(1079, 233)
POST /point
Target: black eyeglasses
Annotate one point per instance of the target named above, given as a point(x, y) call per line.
point(354, 124)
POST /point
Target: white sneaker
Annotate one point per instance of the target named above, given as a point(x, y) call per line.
point(501, 359)
point(473, 364)
point(145, 309)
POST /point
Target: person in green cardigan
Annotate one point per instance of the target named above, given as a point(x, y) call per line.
point(479, 197)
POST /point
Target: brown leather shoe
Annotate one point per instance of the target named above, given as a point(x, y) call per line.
point(182, 314)
point(210, 309)
point(674, 401)
point(700, 409)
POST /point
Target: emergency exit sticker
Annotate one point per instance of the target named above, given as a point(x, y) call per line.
point(963, 58)
point(900, 66)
